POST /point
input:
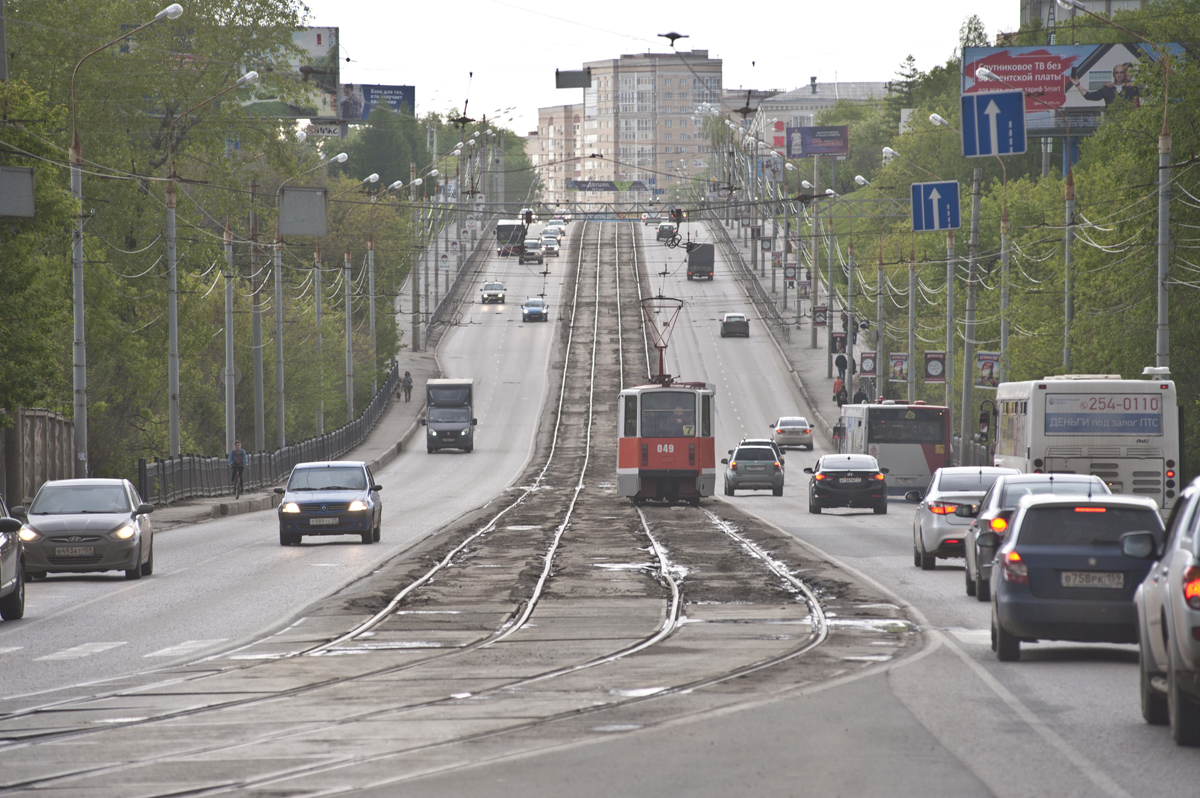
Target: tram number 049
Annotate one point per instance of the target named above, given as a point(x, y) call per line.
point(666, 448)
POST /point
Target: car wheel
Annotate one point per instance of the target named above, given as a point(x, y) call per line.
point(1154, 704)
point(983, 589)
point(12, 606)
point(969, 582)
point(148, 565)
point(470, 448)
point(429, 449)
point(134, 572)
point(1006, 646)
point(368, 536)
point(1183, 711)
point(882, 508)
point(928, 562)
point(814, 507)
point(810, 447)
point(377, 533)
point(33, 576)
point(777, 491)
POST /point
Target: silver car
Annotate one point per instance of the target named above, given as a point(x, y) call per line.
point(753, 467)
point(1167, 603)
point(88, 525)
point(12, 567)
point(492, 292)
point(550, 246)
point(937, 530)
point(792, 431)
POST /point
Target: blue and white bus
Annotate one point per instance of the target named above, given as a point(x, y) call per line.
point(1124, 431)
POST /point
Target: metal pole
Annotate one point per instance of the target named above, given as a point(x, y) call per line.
point(968, 378)
point(829, 292)
point(172, 327)
point(1004, 295)
point(279, 414)
point(851, 324)
point(1068, 305)
point(371, 307)
point(949, 371)
point(414, 269)
point(787, 236)
point(230, 411)
point(912, 327)
point(349, 345)
point(79, 368)
point(879, 318)
point(1162, 338)
point(320, 341)
point(260, 424)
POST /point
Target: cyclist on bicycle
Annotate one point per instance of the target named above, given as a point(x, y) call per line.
point(239, 458)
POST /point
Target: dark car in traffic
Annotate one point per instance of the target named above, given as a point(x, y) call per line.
point(735, 324)
point(535, 309)
point(1061, 573)
point(995, 510)
point(337, 497)
point(85, 526)
point(666, 232)
point(12, 567)
point(847, 480)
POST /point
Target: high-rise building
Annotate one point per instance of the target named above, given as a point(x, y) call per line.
point(638, 128)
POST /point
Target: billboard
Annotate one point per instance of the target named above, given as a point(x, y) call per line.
point(935, 367)
point(606, 185)
point(803, 142)
point(987, 369)
point(316, 73)
point(898, 369)
point(1075, 81)
point(360, 99)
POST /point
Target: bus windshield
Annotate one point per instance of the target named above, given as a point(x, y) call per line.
point(907, 424)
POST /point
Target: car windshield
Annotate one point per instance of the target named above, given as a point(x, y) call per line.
point(533, 303)
point(449, 414)
point(65, 499)
point(978, 482)
point(533, 245)
point(493, 287)
point(850, 463)
point(1087, 525)
point(754, 453)
point(331, 478)
point(1013, 493)
point(734, 317)
point(551, 240)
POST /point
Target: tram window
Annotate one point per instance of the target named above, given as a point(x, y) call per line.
point(706, 416)
point(668, 414)
point(631, 416)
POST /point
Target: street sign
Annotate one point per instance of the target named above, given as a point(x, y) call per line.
point(820, 316)
point(789, 271)
point(993, 123)
point(935, 206)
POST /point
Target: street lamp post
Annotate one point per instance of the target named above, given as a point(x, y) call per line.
point(79, 367)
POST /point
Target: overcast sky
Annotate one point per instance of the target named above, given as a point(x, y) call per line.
point(513, 48)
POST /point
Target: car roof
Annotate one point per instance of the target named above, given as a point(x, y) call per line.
point(794, 420)
point(534, 300)
point(833, 460)
point(954, 471)
point(1098, 499)
point(328, 464)
point(1011, 479)
point(754, 445)
point(758, 442)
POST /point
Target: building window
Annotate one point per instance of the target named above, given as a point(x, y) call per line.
point(667, 123)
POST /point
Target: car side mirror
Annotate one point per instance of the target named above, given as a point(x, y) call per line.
point(281, 491)
point(724, 461)
point(966, 510)
point(1139, 545)
point(421, 422)
point(884, 470)
point(474, 422)
point(377, 488)
point(144, 508)
point(808, 470)
point(18, 511)
point(913, 496)
point(988, 540)
point(10, 525)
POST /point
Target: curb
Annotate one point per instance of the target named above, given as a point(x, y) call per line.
point(270, 501)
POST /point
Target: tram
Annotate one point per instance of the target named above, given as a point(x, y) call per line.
point(665, 446)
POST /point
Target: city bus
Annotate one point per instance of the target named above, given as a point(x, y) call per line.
point(510, 236)
point(910, 440)
point(1127, 432)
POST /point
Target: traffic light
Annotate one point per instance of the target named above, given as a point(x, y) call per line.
point(528, 217)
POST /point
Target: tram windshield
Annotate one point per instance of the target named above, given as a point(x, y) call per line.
point(668, 414)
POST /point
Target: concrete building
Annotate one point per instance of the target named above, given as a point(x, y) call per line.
point(637, 132)
point(1050, 13)
point(800, 107)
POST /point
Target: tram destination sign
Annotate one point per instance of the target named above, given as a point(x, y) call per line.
point(1104, 414)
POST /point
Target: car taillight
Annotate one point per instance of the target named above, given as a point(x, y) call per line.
point(733, 465)
point(1015, 571)
point(1091, 509)
point(779, 431)
point(999, 524)
point(1191, 587)
point(818, 477)
point(939, 508)
point(880, 477)
point(777, 468)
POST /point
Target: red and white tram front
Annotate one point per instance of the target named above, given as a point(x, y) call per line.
point(666, 449)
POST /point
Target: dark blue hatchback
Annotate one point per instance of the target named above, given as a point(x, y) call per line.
point(1060, 574)
point(330, 498)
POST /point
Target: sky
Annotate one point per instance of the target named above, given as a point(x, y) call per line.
point(495, 55)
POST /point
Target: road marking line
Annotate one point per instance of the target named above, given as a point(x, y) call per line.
point(186, 647)
point(78, 652)
point(10, 649)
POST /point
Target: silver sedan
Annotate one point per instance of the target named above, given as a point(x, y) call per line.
point(937, 530)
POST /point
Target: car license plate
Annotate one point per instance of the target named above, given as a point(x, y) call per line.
point(755, 468)
point(1107, 579)
point(850, 480)
point(74, 551)
point(322, 521)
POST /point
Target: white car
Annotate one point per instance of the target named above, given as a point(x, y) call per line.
point(550, 246)
point(492, 292)
point(792, 431)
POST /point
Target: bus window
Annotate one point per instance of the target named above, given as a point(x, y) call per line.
point(631, 416)
point(668, 414)
point(906, 425)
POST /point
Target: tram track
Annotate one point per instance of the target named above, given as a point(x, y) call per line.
point(563, 580)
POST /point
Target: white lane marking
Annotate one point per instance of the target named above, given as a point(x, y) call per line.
point(10, 649)
point(78, 652)
point(185, 648)
point(973, 637)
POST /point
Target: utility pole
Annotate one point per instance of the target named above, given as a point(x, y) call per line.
point(260, 431)
point(1004, 295)
point(949, 369)
point(280, 435)
point(968, 380)
point(230, 400)
point(912, 324)
point(1068, 304)
point(349, 343)
point(414, 269)
point(320, 341)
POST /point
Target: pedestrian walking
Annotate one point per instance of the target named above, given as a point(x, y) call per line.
point(860, 396)
point(406, 386)
point(840, 362)
point(842, 397)
point(838, 387)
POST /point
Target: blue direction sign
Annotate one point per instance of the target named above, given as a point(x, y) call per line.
point(993, 123)
point(935, 206)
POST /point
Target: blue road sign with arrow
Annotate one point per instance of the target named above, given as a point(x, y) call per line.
point(993, 123)
point(935, 206)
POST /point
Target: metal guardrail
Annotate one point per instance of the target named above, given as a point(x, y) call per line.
point(192, 475)
point(762, 300)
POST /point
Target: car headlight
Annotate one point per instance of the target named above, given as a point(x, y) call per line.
point(290, 507)
point(29, 534)
point(357, 506)
point(124, 533)
point(433, 433)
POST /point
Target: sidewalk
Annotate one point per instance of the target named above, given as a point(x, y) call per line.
point(391, 435)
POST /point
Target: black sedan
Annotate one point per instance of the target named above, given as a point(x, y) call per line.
point(847, 480)
point(87, 525)
point(330, 498)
